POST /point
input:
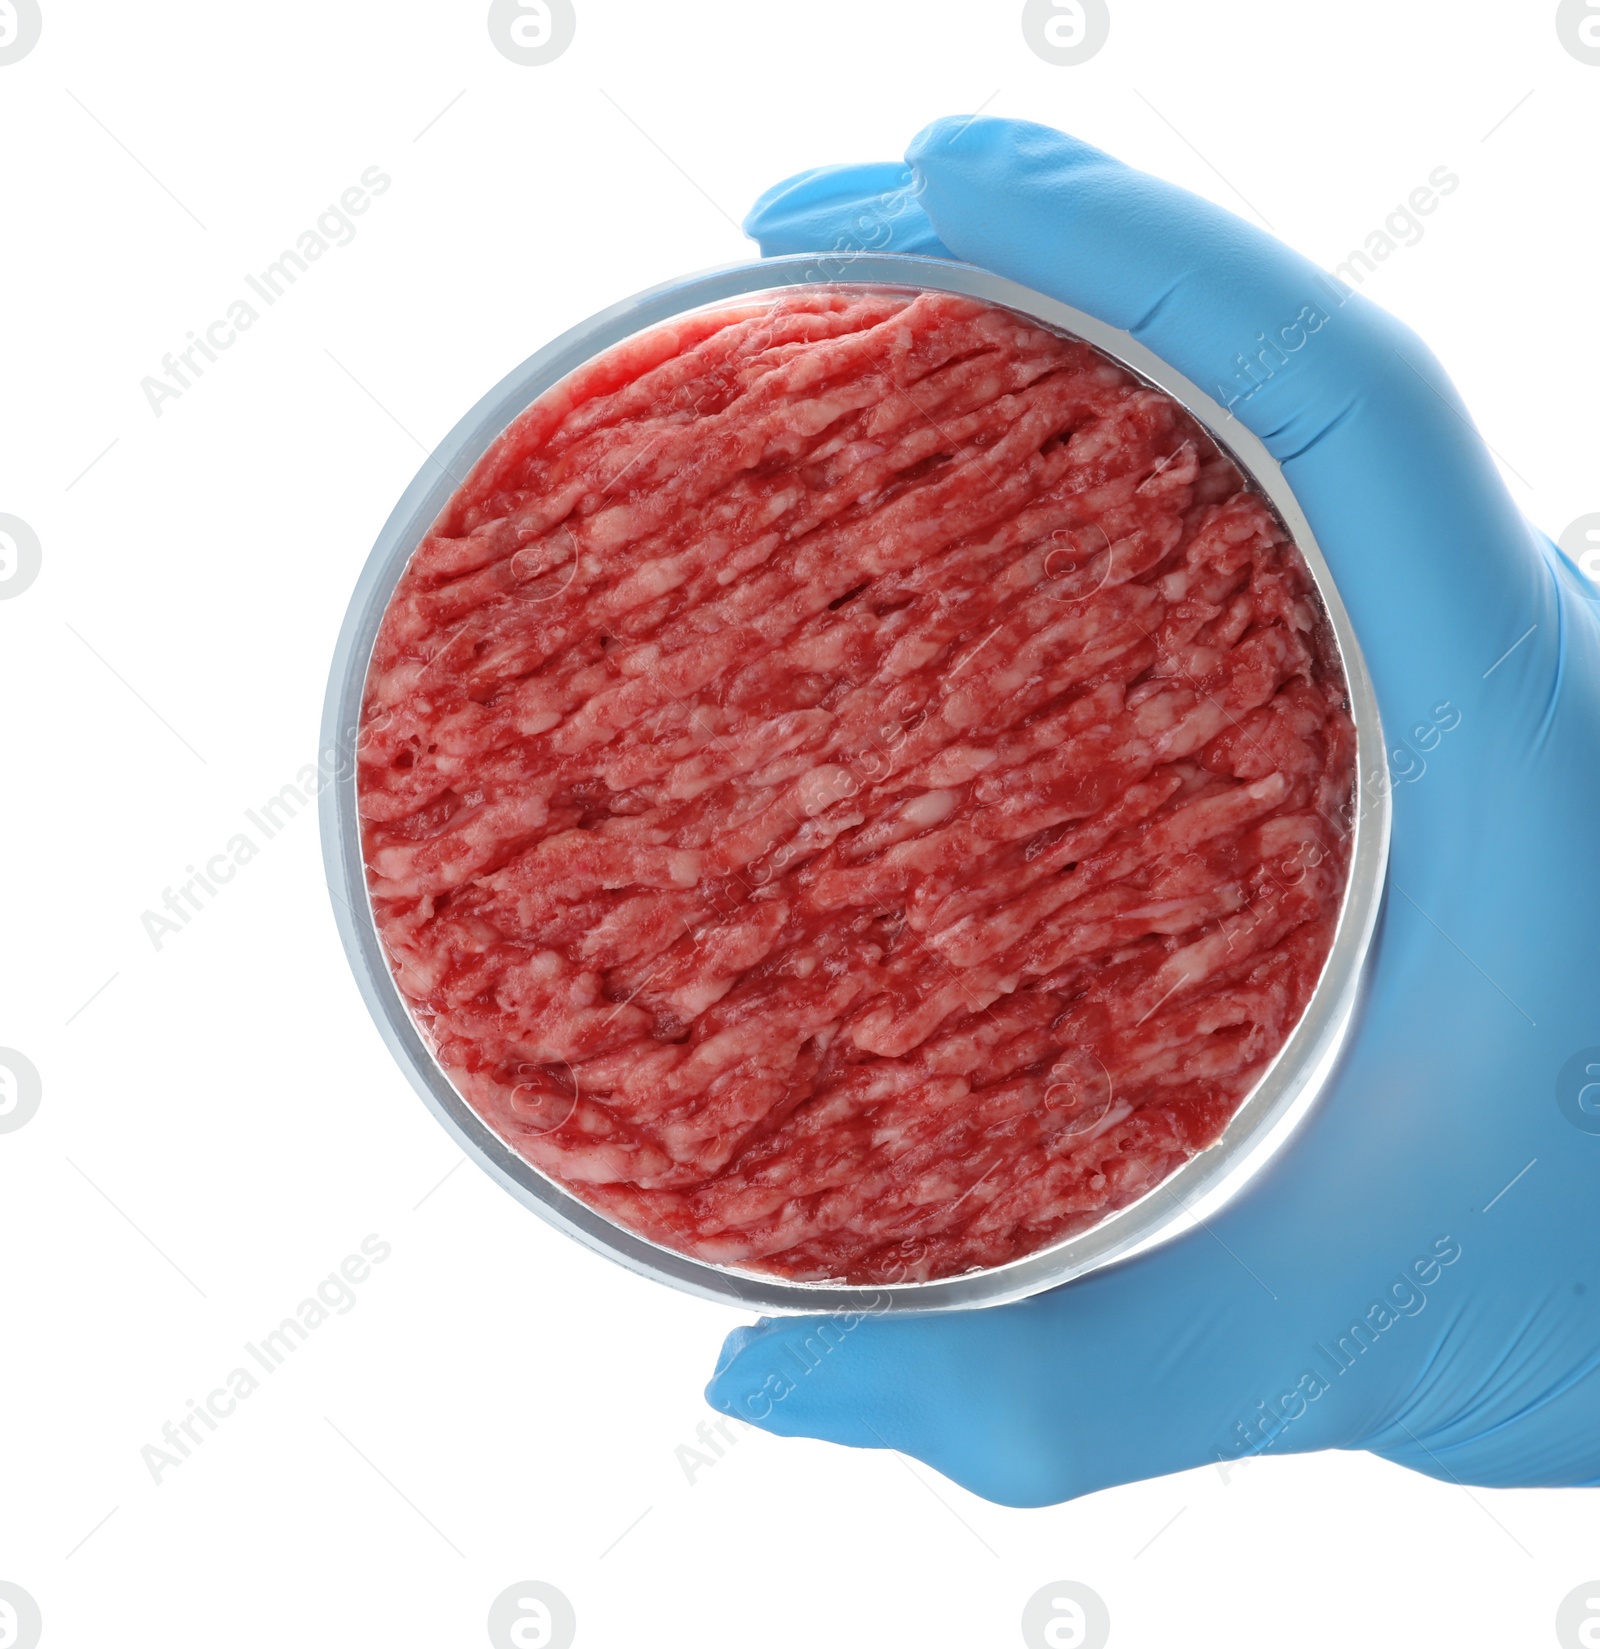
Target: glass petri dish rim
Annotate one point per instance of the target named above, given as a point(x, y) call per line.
point(1269, 1114)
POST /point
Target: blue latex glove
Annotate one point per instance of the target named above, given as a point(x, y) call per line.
point(1469, 1313)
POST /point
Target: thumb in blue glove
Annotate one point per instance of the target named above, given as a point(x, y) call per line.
point(1418, 1274)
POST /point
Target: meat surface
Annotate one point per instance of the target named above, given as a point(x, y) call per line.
point(853, 786)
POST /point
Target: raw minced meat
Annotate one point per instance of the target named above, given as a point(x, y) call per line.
point(853, 785)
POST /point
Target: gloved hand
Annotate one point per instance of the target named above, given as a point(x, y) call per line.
point(1418, 1273)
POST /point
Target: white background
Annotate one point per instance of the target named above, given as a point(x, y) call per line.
point(500, 1405)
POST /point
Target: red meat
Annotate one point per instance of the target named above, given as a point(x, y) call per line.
point(852, 786)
